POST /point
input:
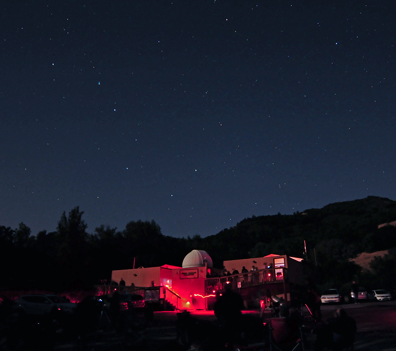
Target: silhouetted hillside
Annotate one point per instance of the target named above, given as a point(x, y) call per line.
point(340, 230)
point(333, 234)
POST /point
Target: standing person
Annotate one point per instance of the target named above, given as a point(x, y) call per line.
point(252, 278)
point(228, 310)
point(115, 308)
point(122, 284)
point(337, 334)
point(355, 289)
point(245, 274)
point(313, 302)
point(255, 274)
point(225, 272)
point(234, 279)
point(244, 270)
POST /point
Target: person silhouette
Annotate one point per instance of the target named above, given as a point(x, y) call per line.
point(338, 333)
point(228, 310)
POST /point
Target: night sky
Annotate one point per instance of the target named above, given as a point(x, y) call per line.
point(193, 113)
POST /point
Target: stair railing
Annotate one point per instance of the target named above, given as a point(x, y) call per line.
point(173, 298)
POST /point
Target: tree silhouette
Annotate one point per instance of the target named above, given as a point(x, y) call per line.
point(73, 247)
point(7, 254)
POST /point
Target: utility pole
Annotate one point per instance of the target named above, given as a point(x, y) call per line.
point(305, 251)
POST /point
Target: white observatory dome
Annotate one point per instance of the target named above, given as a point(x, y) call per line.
point(197, 258)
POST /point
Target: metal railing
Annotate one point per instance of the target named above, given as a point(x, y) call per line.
point(172, 298)
point(241, 280)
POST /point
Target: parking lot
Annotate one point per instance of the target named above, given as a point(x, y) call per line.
point(376, 322)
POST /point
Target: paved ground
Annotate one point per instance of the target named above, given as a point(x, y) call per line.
point(376, 324)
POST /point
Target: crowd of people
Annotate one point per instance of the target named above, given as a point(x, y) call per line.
point(21, 331)
point(336, 333)
point(231, 326)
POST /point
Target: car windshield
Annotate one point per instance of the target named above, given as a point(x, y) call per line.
point(381, 292)
point(125, 298)
point(57, 299)
point(130, 297)
point(136, 297)
point(330, 292)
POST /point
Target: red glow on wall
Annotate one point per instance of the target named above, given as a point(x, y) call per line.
point(262, 304)
point(167, 283)
point(172, 291)
point(204, 297)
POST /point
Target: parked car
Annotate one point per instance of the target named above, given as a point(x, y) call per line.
point(43, 304)
point(103, 301)
point(362, 294)
point(7, 306)
point(128, 301)
point(380, 295)
point(330, 296)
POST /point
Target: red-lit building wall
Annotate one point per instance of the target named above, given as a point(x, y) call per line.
point(190, 283)
point(259, 262)
point(186, 285)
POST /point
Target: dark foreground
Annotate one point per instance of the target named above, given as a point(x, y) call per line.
point(376, 323)
point(376, 330)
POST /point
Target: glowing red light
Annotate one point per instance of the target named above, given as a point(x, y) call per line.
point(124, 306)
point(206, 296)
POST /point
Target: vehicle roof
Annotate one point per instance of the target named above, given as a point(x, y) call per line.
point(49, 296)
point(330, 291)
point(39, 295)
point(130, 296)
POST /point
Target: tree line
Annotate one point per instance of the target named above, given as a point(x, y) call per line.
point(71, 258)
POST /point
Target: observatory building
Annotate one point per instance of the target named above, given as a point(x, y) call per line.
point(196, 283)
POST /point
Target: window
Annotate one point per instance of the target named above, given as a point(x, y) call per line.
point(36, 299)
point(279, 262)
point(279, 273)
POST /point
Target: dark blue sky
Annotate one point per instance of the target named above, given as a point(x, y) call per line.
point(193, 113)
